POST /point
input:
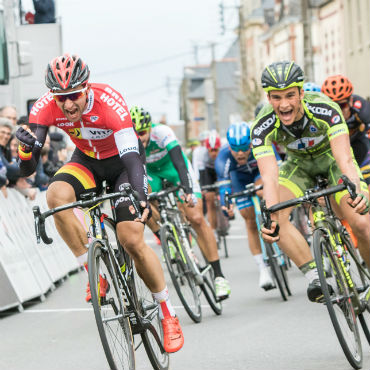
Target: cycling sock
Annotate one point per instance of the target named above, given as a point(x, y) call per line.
point(217, 268)
point(165, 307)
point(82, 260)
point(309, 270)
point(156, 233)
point(259, 261)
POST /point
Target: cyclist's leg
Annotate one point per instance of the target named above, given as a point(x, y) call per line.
point(153, 221)
point(131, 236)
point(69, 182)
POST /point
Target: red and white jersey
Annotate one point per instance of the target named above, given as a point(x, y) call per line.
point(105, 128)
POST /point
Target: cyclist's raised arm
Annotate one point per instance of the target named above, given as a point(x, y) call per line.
point(181, 168)
point(31, 143)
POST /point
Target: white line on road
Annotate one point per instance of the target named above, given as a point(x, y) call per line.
point(57, 310)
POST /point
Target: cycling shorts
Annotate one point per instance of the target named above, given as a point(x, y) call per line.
point(238, 182)
point(86, 174)
point(169, 173)
point(208, 176)
point(298, 173)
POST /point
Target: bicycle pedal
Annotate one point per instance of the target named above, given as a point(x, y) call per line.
point(269, 287)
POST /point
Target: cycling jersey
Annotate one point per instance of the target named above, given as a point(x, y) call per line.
point(160, 164)
point(105, 128)
point(104, 131)
point(323, 121)
point(235, 176)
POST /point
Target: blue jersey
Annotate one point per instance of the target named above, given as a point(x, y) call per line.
point(235, 176)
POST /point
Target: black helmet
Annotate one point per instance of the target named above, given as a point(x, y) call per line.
point(282, 76)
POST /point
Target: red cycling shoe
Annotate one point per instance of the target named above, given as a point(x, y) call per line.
point(103, 288)
point(173, 336)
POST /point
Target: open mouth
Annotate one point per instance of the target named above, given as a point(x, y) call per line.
point(286, 115)
point(72, 113)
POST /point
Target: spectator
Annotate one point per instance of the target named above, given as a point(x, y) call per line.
point(9, 112)
point(44, 11)
point(51, 164)
point(3, 179)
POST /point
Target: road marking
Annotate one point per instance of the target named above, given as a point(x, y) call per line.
point(58, 310)
point(236, 237)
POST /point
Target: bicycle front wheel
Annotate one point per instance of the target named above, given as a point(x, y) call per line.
point(277, 272)
point(337, 298)
point(153, 336)
point(208, 286)
point(113, 325)
point(181, 275)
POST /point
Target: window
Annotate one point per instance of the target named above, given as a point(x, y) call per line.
point(4, 72)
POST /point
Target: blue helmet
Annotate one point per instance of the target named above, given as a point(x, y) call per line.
point(311, 86)
point(239, 136)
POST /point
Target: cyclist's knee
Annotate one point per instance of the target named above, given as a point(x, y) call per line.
point(60, 193)
point(251, 223)
point(361, 227)
point(196, 219)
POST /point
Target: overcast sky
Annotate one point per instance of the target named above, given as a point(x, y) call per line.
point(116, 37)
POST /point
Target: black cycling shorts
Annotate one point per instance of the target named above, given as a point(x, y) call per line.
point(86, 174)
point(208, 176)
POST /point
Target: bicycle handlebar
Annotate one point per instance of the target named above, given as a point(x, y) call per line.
point(250, 190)
point(39, 217)
point(309, 196)
point(216, 185)
point(163, 192)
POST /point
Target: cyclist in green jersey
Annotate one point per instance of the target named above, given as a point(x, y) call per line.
point(166, 160)
point(315, 134)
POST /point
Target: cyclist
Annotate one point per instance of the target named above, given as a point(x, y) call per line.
point(356, 112)
point(315, 134)
point(96, 118)
point(236, 167)
point(165, 160)
point(204, 168)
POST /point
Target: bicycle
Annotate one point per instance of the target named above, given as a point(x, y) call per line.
point(190, 272)
point(223, 224)
point(344, 280)
point(274, 258)
point(128, 308)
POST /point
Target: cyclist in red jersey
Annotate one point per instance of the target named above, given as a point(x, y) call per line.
point(96, 118)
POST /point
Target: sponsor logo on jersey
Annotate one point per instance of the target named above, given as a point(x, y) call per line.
point(65, 124)
point(313, 128)
point(75, 132)
point(264, 125)
point(61, 119)
point(37, 143)
point(357, 104)
point(114, 101)
point(319, 110)
point(306, 142)
point(120, 200)
point(256, 141)
point(335, 119)
point(94, 118)
point(96, 133)
point(127, 150)
point(41, 103)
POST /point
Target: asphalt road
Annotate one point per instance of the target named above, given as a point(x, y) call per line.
point(257, 330)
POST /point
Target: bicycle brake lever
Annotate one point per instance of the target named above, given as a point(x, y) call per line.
point(351, 187)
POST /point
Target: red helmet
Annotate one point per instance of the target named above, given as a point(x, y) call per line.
point(337, 87)
point(66, 72)
point(213, 141)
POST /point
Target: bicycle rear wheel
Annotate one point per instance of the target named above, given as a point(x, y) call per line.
point(338, 299)
point(181, 275)
point(149, 309)
point(113, 325)
point(208, 286)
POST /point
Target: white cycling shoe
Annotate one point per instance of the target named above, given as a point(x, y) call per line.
point(266, 281)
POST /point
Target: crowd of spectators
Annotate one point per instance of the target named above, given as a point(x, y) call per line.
point(53, 156)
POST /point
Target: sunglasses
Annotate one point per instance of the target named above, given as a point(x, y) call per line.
point(142, 133)
point(238, 149)
point(73, 95)
point(214, 149)
point(344, 104)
